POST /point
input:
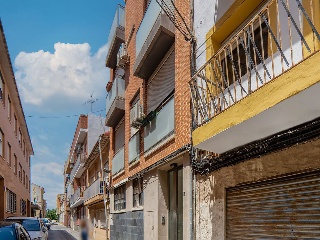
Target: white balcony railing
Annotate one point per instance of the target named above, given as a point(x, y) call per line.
point(70, 191)
point(95, 189)
point(118, 161)
point(77, 166)
point(274, 40)
point(75, 196)
point(148, 21)
point(117, 91)
point(118, 22)
point(161, 127)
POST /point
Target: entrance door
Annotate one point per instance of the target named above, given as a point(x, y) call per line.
point(175, 204)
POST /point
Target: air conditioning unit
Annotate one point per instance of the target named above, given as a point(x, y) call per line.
point(136, 115)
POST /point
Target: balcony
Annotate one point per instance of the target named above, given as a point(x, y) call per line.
point(116, 37)
point(154, 38)
point(263, 80)
point(94, 192)
point(77, 198)
point(78, 169)
point(118, 161)
point(115, 102)
point(134, 148)
point(160, 129)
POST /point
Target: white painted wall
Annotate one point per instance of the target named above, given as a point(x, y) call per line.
point(95, 129)
point(206, 14)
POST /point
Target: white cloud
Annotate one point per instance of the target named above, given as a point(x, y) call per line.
point(50, 176)
point(61, 80)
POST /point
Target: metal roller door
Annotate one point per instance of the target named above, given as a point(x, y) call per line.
point(282, 208)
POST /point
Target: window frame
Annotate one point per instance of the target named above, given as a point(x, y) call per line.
point(2, 150)
point(138, 193)
point(120, 198)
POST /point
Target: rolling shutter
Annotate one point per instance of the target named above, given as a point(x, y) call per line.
point(283, 208)
point(119, 136)
point(161, 84)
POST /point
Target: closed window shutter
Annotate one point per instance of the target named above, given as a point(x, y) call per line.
point(161, 84)
point(119, 136)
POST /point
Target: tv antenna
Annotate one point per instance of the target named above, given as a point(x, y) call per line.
point(91, 101)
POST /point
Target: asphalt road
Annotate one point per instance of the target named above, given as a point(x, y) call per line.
point(58, 232)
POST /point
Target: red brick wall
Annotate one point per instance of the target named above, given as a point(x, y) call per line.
point(134, 15)
point(11, 180)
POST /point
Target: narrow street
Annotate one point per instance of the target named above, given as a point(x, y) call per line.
point(59, 232)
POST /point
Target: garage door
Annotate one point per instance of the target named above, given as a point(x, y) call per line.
point(282, 208)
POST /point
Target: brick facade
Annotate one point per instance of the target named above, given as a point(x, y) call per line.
point(134, 85)
point(11, 127)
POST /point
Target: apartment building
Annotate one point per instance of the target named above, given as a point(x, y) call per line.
point(88, 130)
point(96, 197)
point(38, 203)
point(148, 113)
point(256, 119)
point(60, 207)
point(15, 143)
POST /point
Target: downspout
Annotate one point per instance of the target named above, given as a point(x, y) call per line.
point(192, 179)
point(104, 189)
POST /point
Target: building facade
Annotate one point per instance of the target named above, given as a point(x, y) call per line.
point(60, 207)
point(255, 128)
point(38, 203)
point(15, 143)
point(96, 197)
point(88, 131)
point(148, 113)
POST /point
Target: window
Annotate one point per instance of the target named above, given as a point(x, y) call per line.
point(9, 108)
point(24, 177)
point(1, 88)
point(15, 124)
point(1, 143)
point(11, 201)
point(27, 181)
point(24, 148)
point(20, 137)
point(120, 198)
point(15, 164)
point(20, 172)
point(9, 154)
point(239, 56)
point(23, 204)
point(138, 192)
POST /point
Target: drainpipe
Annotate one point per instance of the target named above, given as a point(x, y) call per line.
point(104, 192)
point(192, 178)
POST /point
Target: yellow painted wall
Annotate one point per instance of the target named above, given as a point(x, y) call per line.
point(295, 80)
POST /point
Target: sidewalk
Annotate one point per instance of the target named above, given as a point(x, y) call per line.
point(70, 231)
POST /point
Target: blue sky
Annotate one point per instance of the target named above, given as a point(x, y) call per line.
point(58, 49)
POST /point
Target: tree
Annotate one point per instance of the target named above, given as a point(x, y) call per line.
point(52, 214)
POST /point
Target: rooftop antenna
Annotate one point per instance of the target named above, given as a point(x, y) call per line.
point(91, 101)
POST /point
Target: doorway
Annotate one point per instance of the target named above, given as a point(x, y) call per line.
point(175, 179)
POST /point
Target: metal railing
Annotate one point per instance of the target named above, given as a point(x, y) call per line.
point(122, 56)
point(152, 13)
point(118, 161)
point(118, 22)
point(117, 91)
point(96, 188)
point(278, 37)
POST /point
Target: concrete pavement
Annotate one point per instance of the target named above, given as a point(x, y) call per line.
point(60, 232)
